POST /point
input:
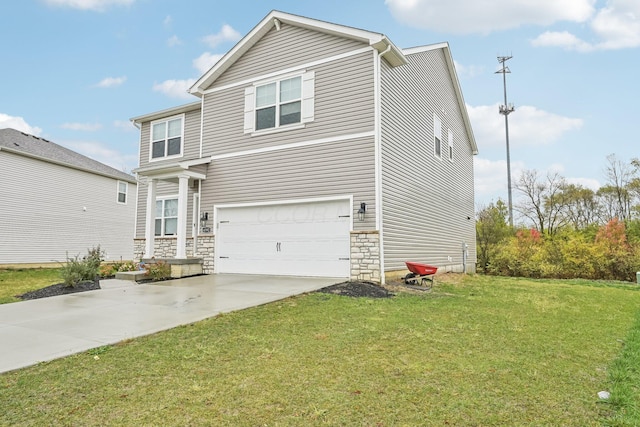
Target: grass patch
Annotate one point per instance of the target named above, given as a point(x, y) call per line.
point(482, 351)
point(17, 281)
point(624, 376)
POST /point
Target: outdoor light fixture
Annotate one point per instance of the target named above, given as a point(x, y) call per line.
point(362, 211)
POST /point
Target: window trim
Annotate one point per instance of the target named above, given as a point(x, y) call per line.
point(151, 140)
point(163, 218)
point(306, 99)
point(437, 136)
point(118, 192)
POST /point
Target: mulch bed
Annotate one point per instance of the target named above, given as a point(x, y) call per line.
point(61, 289)
point(358, 289)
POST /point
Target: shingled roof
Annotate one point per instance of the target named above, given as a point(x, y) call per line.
point(33, 146)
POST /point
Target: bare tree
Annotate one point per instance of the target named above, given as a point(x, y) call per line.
point(619, 177)
point(543, 200)
point(581, 207)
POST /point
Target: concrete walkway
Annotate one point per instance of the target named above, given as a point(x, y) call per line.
point(48, 328)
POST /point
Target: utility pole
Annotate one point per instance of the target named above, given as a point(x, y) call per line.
point(505, 110)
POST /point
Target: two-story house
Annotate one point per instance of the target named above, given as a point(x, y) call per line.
point(314, 149)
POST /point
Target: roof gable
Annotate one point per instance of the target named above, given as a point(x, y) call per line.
point(456, 84)
point(275, 19)
point(21, 143)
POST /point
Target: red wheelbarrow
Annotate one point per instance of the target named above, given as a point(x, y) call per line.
point(422, 274)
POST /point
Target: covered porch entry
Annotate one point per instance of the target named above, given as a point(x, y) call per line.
point(171, 231)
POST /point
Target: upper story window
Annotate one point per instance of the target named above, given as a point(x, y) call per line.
point(122, 191)
point(167, 138)
point(450, 135)
point(280, 104)
point(437, 135)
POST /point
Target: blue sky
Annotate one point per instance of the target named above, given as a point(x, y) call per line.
point(75, 71)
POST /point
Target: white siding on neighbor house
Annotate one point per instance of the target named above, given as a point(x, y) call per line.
point(426, 200)
point(49, 211)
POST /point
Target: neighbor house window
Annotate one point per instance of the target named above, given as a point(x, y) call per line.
point(166, 217)
point(122, 191)
point(437, 135)
point(450, 144)
point(166, 138)
point(279, 104)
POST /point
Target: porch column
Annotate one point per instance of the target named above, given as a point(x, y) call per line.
point(183, 192)
point(150, 223)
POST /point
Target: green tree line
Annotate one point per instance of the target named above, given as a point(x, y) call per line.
point(565, 230)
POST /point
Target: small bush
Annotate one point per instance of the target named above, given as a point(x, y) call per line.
point(77, 270)
point(158, 271)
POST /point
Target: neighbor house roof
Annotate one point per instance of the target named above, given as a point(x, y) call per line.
point(275, 18)
point(24, 144)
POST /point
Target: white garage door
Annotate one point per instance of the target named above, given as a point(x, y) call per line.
point(299, 239)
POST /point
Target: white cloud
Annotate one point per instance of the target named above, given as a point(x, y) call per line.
point(465, 17)
point(18, 123)
point(95, 5)
point(590, 183)
point(175, 88)
point(103, 154)
point(205, 61)
point(124, 125)
point(615, 26)
point(88, 127)
point(527, 126)
point(173, 41)
point(468, 70)
point(226, 34)
point(490, 179)
point(167, 21)
point(111, 82)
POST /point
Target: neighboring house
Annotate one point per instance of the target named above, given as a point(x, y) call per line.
point(314, 149)
point(57, 202)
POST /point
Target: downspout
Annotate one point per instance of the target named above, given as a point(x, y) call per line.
point(378, 156)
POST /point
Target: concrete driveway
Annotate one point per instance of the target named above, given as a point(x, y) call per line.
point(48, 328)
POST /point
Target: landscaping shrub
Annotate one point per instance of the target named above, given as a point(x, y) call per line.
point(158, 271)
point(77, 270)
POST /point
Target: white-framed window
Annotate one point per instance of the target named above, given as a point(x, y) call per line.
point(437, 136)
point(166, 138)
point(285, 103)
point(450, 137)
point(167, 216)
point(123, 188)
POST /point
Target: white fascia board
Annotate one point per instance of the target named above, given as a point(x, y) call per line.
point(377, 40)
point(456, 84)
point(166, 113)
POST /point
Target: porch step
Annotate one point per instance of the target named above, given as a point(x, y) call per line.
point(131, 275)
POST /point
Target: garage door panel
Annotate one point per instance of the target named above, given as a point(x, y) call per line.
point(292, 239)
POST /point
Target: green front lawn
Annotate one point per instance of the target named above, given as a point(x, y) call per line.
point(479, 351)
point(17, 281)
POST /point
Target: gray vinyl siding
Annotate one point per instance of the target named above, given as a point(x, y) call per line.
point(289, 47)
point(426, 200)
point(164, 188)
point(343, 100)
point(334, 169)
point(191, 143)
point(43, 218)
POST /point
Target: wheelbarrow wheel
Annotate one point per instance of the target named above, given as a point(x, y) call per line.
point(408, 277)
point(427, 283)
